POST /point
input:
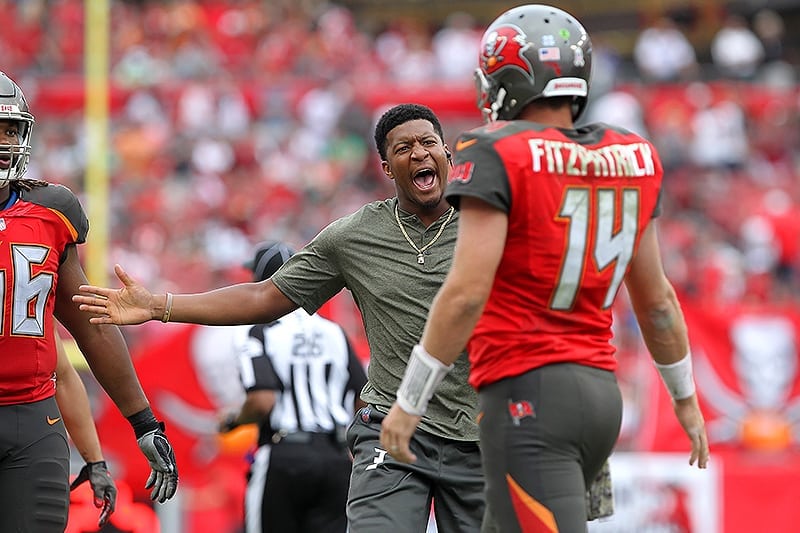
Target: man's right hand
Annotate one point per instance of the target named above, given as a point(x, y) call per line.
point(164, 471)
point(132, 304)
point(691, 418)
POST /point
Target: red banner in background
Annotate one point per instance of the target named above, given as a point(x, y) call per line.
point(748, 381)
point(212, 469)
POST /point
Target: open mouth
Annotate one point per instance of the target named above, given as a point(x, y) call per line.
point(5, 161)
point(424, 178)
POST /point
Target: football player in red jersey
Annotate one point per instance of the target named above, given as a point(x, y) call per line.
point(554, 219)
point(40, 226)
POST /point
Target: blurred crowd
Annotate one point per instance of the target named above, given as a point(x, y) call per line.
point(234, 121)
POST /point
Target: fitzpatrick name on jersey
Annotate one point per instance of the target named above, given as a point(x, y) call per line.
point(633, 160)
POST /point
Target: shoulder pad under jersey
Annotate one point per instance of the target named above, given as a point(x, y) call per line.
point(63, 200)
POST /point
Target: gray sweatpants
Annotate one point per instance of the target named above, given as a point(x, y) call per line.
point(386, 495)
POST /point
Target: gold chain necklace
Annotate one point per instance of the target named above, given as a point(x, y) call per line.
point(421, 251)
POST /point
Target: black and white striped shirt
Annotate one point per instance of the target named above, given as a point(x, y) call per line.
point(308, 361)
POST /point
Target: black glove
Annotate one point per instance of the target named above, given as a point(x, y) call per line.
point(156, 448)
point(105, 491)
point(164, 472)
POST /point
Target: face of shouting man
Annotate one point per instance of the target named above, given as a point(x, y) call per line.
point(416, 158)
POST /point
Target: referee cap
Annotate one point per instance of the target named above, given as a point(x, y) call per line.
point(268, 258)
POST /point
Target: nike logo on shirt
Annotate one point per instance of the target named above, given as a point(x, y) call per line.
point(461, 145)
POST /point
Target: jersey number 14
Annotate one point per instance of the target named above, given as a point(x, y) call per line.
point(592, 223)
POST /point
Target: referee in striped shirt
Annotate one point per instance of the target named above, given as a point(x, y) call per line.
point(302, 380)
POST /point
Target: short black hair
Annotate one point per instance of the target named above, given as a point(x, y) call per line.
point(400, 114)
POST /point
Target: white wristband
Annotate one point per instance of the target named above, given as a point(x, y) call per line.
point(423, 375)
point(678, 377)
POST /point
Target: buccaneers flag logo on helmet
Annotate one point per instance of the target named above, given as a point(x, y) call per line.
point(505, 47)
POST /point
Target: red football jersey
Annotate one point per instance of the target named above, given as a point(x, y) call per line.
point(577, 204)
point(34, 233)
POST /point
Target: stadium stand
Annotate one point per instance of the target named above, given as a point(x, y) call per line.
point(235, 121)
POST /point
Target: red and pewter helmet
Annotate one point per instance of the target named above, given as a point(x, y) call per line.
point(13, 107)
point(529, 52)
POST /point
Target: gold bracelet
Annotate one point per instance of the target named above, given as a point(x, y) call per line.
point(167, 308)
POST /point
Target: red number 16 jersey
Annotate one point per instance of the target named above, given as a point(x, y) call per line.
point(577, 204)
point(34, 234)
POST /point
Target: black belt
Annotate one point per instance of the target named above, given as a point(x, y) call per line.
point(301, 437)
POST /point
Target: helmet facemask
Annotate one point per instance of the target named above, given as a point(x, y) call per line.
point(14, 154)
point(14, 157)
point(490, 96)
